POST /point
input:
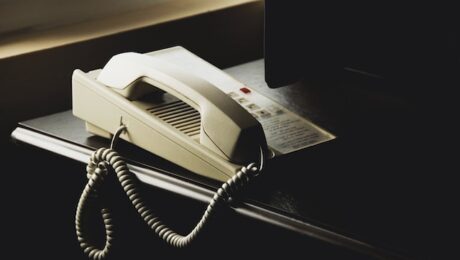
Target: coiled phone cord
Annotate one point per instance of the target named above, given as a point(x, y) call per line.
point(104, 160)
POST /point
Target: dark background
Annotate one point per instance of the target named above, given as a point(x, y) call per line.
point(397, 180)
point(394, 119)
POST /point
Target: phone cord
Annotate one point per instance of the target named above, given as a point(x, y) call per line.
point(103, 161)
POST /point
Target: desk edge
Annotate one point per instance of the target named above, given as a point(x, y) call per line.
point(194, 191)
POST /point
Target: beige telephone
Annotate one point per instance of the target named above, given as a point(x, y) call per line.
point(193, 124)
point(171, 113)
point(188, 112)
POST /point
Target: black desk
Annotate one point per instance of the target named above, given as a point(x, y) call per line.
point(339, 191)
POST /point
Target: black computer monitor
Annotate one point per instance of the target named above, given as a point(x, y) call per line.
point(399, 42)
point(394, 147)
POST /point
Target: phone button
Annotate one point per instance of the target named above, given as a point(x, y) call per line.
point(245, 90)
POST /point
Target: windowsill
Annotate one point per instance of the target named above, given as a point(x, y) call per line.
point(157, 14)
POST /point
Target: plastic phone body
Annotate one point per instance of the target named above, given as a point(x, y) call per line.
point(170, 112)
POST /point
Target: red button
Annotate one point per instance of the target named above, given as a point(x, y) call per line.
point(245, 90)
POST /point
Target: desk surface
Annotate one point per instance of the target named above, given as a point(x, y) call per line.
point(351, 191)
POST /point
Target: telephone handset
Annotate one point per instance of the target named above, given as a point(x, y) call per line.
point(204, 131)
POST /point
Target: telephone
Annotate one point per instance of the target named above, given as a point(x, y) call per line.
point(181, 108)
point(197, 126)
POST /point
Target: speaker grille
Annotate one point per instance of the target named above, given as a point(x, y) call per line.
point(179, 115)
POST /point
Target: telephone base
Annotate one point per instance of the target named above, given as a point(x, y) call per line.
point(97, 130)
